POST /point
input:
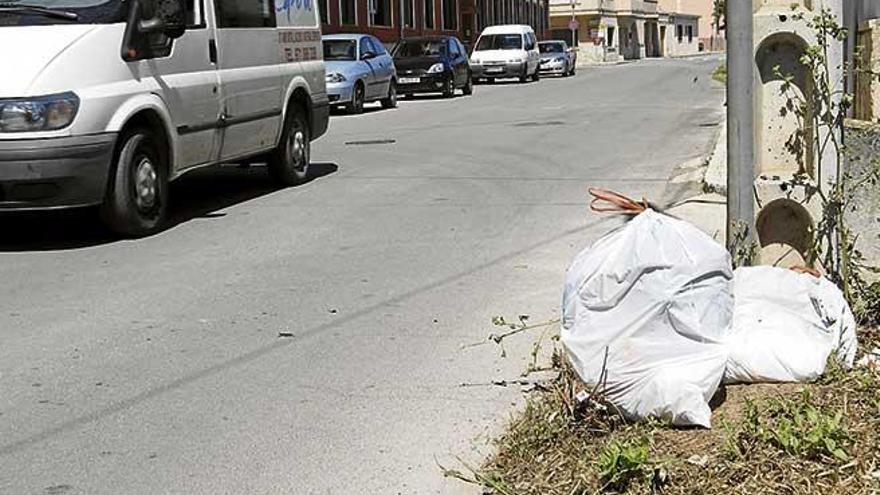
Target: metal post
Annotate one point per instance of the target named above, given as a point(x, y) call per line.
point(402, 19)
point(740, 122)
point(571, 24)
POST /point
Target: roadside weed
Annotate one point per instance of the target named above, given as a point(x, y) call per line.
point(622, 462)
point(805, 430)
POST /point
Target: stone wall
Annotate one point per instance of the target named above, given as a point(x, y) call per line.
point(863, 143)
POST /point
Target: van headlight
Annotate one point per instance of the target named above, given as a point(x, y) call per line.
point(40, 113)
point(334, 77)
point(436, 68)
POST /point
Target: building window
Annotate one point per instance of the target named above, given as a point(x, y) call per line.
point(234, 14)
point(679, 32)
point(450, 14)
point(409, 8)
point(324, 8)
point(609, 41)
point(348, 12)
point(690, 34)
point(380, 12)
point(429, 14)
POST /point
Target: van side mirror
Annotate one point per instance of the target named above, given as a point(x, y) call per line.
point(152, 27)
point(368, 55)
point(169, 18)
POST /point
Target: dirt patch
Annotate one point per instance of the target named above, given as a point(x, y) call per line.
point(818, 438)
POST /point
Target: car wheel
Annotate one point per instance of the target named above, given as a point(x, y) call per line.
point(357, 99)
point(449, 87)
point(490, 80)
point(289, 162)
point(573, 68)
point(391, 100)
point(137, 196)
point(468, 88)
point(537, 75)
point(525, 74)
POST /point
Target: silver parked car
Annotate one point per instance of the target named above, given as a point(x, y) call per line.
point(359, 70)
point(557, 58)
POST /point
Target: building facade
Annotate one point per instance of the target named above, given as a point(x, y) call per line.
point(611, 30)
point(711, 35)
point(388, 20)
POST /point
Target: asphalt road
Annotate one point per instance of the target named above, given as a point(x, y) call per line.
point(155, 365)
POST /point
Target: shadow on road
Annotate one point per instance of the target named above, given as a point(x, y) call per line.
point(200, 194)
point(505, 82)
point(428, 96)
point(368, 108)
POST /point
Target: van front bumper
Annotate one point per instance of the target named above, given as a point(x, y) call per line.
point(498, 70)
point(51, 173)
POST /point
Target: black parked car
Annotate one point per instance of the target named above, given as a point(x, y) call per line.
point(432, 64)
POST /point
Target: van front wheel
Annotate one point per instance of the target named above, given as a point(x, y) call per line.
point(289, 163)
point(136, 204)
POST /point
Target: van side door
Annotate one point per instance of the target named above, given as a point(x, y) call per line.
point(188, 82)
point(531, 46)
point(250, 76)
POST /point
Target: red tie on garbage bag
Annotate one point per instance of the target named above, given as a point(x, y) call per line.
point(607, 201)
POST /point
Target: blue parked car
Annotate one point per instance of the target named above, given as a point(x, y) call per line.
point(359, 70)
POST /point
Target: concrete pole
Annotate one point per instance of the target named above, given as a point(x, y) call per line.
point(740, 120)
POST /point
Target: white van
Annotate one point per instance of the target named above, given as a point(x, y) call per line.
point(104, 102)
point(506, 51)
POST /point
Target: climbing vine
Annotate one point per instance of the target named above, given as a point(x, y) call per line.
point(821, 115)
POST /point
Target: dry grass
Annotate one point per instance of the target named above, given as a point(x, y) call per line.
point(720, 73)
point(561, 446)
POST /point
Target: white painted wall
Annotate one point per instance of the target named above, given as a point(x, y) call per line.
point(686, 44)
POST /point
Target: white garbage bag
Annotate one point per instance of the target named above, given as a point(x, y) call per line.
point(785, 326)
point(645, 311)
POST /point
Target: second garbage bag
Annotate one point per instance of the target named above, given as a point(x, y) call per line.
point(785, 327)
point(645, 313)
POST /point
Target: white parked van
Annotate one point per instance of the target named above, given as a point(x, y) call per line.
point(104, 102)
point(506, 51)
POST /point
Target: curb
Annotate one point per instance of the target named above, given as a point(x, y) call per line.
point(715, 179)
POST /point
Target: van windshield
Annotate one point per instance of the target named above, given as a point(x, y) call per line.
point(28, 12)
point(500, 42)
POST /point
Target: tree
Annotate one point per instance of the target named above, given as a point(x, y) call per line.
point(718, 14)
